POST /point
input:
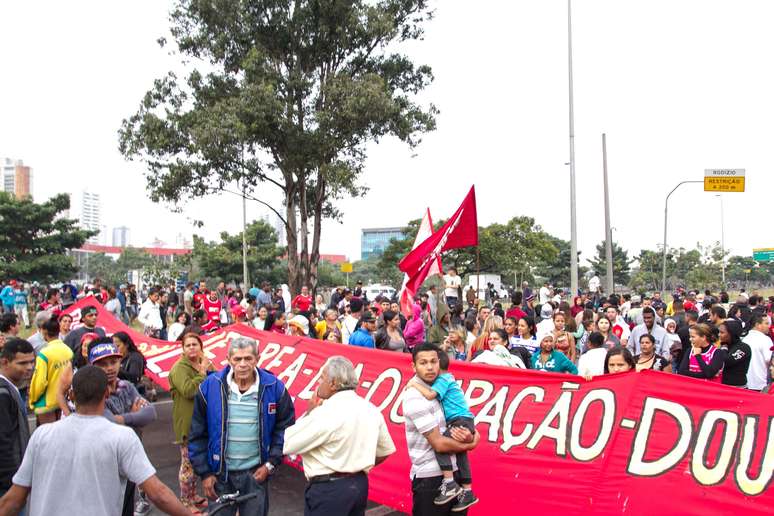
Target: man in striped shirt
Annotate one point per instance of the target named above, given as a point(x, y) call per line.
point(425, 426)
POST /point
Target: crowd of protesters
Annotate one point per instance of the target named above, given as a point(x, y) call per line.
point(234, 426)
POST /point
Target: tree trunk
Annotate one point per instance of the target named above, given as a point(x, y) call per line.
point(304, 215)
point(314, 258)
point(294, 272)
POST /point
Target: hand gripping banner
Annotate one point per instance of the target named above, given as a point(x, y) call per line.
point(634, 443)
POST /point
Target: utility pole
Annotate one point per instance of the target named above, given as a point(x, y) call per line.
point(573, 228)
point(609, 280)
point(245, 277)
point(664, 251)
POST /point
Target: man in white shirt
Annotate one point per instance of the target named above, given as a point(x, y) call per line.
point(452, 284)
point(94, 456)
point(760, 346)
point(425, 426)
point(649, 326)
point(340, 438)
point(544, 294)
point(150, 314)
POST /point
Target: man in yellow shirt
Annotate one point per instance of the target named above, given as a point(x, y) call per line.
point(49, 364)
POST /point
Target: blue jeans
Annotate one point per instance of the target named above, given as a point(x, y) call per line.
point(244, 482)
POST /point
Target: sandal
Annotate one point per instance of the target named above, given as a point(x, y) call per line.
point(201, 502)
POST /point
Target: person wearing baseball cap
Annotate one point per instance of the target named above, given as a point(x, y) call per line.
point(89, 321)
point(363, 335)
point(124, 406)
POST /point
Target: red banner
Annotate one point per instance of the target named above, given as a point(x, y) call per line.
point(638, 443)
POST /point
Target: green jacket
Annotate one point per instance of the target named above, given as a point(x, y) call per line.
point(437, 332)
point(184, 380)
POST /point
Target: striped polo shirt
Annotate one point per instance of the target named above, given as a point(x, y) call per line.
point(243, 445)
point(422, 415)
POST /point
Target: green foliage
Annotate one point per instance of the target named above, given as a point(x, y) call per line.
point(557, 270)
point(293, 93)
point(153, 270)
point(222, 261)
point(34, 239)
point(621, 263)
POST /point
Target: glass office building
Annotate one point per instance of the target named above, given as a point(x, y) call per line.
point(374, 240)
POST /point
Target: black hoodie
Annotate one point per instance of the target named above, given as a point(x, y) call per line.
point(739, 354)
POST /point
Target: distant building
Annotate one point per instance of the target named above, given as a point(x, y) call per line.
point(90, 214)
point(82, 255)
point(16, 178)
point(373, 241)
point(121, 237)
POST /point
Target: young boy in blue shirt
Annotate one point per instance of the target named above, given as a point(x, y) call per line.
point(455, 409)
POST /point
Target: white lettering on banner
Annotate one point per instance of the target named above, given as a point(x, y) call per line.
point(288, 376)
point(637, 465)
point(577, 450)
point(492, 413)
point(714, 475)
point(510, 440)
point(395, 416)
point(311, 387)
point(755, 486)
point(393, 374)
point(277, 362)
point(486, 391)
point(560, 410)
point(270, 351)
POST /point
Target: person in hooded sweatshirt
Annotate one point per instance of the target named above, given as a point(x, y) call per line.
point(737, 361)
point(414, 333)
point(440, 330)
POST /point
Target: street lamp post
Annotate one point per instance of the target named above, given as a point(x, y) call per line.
point(573, 229)
point(666, 213)
point(722, 242)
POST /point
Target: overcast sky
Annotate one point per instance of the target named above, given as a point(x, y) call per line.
point(677, 86)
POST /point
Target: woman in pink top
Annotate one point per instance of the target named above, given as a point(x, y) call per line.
point(415, 329)
point(705, 359)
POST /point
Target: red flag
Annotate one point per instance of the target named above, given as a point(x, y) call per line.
point(461, 230)
point(406, 296)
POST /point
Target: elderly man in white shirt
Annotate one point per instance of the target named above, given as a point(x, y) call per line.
point(340, 439)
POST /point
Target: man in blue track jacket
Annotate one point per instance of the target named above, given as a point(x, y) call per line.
point(238, 428)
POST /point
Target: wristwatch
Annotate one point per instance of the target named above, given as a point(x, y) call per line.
point(270, 467)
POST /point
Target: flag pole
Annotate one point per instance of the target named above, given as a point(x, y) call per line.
point(478, 272)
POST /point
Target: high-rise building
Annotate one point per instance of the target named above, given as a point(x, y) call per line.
point(374, 240)
point(91, 214)
point(16, 178)
point(121, 236)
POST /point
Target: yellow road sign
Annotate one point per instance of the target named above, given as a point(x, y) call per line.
point(346, 267)
point(724, 180)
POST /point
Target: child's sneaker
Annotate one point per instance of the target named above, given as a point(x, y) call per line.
point(447, 492)
point(464, 500)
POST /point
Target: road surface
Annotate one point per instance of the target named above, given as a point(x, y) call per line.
point(286, 494)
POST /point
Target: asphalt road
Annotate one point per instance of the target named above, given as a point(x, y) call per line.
point(286, 494)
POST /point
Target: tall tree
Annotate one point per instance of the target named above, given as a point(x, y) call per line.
point(223, 260)
point(34, 239)
point(621, 263)
point(294, 90)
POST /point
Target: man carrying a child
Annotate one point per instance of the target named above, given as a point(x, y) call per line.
point(429, 402)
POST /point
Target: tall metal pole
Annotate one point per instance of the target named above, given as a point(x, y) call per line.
point(573, 229)
point(664, 251)
point(245, 277)
point(722, 241)
point(609, 283)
